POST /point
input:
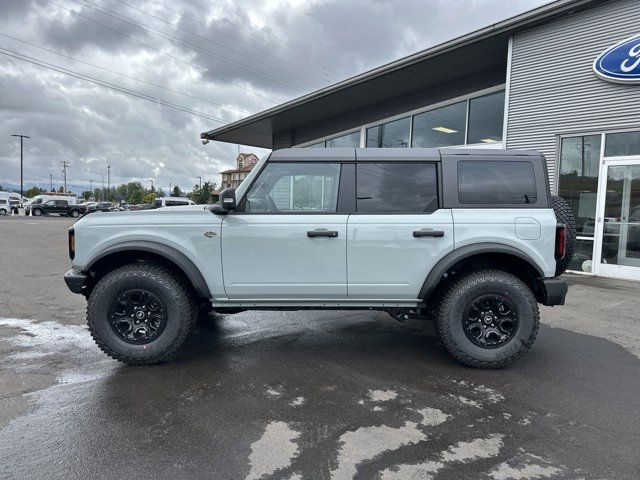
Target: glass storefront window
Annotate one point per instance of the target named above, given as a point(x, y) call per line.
point(441, 127)
point(486, 118)
point(578, 179)
point(623, 143)
point(389, 135)
point(582, 260)
point(316, 145)
point(350, 140)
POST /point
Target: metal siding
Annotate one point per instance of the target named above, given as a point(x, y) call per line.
point(553, 89)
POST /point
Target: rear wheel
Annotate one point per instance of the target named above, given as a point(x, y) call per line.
point(488, 319)
point(141, 313)
point(36, 212)
point(3, 211)
point(74, 213)
point(564, 215)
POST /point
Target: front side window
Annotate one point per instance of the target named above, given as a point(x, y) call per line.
point(496, 183)
point(441, 127)
point(389, 135)
point(286, 187)
point(396, 187)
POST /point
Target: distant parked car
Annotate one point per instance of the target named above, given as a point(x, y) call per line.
point(5, 207)
point(102, 207)
point(57, 207)
point(172, 202)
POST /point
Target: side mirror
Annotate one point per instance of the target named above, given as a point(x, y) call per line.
point(226, 203)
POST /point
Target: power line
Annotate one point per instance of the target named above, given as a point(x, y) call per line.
point(319, 68)
point(122, 2)
point(72, 73)
point(173, 38)
point(123, 74)
point(161, 51)
point(244, 17)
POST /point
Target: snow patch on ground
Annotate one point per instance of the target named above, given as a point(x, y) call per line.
point(467, 401)
point(296, 402)
point(475, 449)
point(432, 416)
point(422, 471)
point(366, 443)
point(490, 395)
point(382, 395)
point(525, 472)
point(274, 450)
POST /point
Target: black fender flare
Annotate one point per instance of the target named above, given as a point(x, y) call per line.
point(171, 254)
point(450, 259)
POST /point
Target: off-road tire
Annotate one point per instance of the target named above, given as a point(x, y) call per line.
point(169, 286)
point(36, 212)
point(461, 293)
point(564, 214)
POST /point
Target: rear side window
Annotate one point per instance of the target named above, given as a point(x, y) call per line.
point(175, 203)
point(396, 187)
point(495, 182)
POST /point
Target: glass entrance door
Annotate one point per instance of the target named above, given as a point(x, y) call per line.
point(619, 219)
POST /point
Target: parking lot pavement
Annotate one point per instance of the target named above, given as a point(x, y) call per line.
point(309, 395)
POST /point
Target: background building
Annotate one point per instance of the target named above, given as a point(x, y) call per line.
point(527, 82)
point(244, 164)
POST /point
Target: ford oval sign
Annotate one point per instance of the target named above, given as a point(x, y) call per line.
point(620, 63)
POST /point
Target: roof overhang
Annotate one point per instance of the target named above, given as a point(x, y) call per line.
point(467, 57)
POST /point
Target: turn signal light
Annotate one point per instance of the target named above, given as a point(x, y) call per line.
point(72, 243)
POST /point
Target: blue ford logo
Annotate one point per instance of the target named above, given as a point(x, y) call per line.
point(620, 63)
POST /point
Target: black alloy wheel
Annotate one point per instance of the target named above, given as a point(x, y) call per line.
point(137, 316)
point(490, 321)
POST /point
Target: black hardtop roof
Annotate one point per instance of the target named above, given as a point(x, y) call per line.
point(391, 154)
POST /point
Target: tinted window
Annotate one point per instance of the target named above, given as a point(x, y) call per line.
point(441, 127)
point(350, 140)
point(578, 180)
point(295, 188)
point(3, 202)
point(486, 117)
point(481, 182)
point(389, 135)
point(396, 187)
point(175, 203)
point(626, 143)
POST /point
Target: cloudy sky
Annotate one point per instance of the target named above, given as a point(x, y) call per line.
point(208, 61)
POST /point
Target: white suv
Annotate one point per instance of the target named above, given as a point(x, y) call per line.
point(471, 238)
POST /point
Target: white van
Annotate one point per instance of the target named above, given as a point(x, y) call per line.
point(172, 202)
point(9, 201)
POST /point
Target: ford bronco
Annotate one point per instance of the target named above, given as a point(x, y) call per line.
point(470, 238)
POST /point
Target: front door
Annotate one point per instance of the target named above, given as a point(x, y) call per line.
point(286, 240)
point(619, 219)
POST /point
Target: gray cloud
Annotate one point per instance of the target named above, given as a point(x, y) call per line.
point(281, 52)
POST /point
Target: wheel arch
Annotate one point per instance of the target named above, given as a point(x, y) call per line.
point(489, 255)
point(132, 251)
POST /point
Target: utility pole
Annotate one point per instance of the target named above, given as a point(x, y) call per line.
point(170, 185)
point(200, 182)
point(65, 164)
point(51, 182)
point(22, 137)
point(108, 183)
point(151, 180)
point(102, 175)
point(90, 189)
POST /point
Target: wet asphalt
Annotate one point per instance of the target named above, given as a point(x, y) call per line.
point(309, 395)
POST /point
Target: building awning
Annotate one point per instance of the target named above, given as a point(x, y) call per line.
point(478, 55)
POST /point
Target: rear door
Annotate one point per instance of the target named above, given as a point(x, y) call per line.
point(398, 231)
point(287, 240)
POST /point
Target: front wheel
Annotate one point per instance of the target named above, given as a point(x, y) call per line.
point(3, 212)
point(36, 212)
point(141, 314)
point(74, 213)
point(488, 319)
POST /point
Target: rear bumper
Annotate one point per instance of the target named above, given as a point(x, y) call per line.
point(75, 280)
point(555, 291)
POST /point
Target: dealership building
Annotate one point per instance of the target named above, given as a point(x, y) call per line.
point(562, 79)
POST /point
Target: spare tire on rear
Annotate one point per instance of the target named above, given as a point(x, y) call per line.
point(564, 215)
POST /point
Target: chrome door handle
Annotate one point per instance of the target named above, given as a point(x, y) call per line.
point(322, 233)
point(428, 233)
